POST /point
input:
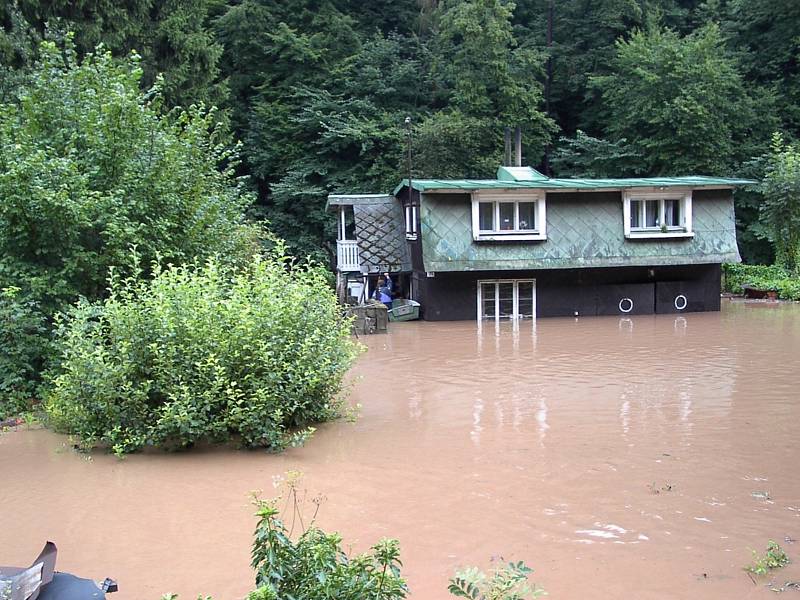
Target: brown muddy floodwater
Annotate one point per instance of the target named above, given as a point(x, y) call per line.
point(621, 458)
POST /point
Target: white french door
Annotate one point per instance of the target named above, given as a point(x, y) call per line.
point(507, 299)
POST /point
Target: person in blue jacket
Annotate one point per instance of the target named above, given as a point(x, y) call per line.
point(383, 293)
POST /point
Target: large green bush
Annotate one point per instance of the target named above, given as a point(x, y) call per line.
point(90, 165)
point(24, 341)
point(203, 352)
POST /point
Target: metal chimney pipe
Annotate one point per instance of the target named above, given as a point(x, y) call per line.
point(518, 146)
point(507, 153)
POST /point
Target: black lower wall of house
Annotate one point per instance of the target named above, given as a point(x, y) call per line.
point(565, 292)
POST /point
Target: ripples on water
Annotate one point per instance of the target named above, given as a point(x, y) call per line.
point(622, 458)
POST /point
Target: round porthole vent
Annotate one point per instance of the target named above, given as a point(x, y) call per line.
point(680, 302)
point(626, 305)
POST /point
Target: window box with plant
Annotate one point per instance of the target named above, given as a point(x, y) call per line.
point(506, 217)
point(658, 214)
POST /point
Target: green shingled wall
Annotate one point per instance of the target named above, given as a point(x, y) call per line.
point(583, 230)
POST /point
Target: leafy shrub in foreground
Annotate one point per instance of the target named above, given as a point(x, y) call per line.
point(509, 582)
point(203, 352)
point(24, 343)
point(315, 567)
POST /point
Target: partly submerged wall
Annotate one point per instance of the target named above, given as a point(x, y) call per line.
point(449, 296)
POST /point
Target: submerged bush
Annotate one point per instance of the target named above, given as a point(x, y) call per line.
point(774, 558)
point(508, 582)
point(203, 352)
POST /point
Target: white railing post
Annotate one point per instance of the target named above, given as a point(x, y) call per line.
point(347, 255)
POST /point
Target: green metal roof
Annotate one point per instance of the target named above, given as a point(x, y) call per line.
point(425, 185)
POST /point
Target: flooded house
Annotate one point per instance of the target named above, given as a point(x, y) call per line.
point(525, 245)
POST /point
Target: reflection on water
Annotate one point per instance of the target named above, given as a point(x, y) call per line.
point(622, 458)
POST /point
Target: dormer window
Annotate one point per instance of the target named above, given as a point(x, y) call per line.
point(509, 217)
point(662, 214)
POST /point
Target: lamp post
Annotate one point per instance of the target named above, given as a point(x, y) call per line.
point(407, 123)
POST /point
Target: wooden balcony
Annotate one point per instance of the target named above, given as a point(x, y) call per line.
point(347, 258)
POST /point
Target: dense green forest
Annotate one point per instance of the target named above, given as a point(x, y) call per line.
point(317, 91)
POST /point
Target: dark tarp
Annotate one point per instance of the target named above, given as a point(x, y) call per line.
point(41, 582)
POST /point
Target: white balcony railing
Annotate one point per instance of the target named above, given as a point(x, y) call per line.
point(347, 255)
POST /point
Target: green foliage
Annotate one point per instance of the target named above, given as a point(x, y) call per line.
point(180, 47)
point(508, 582)
point(25, 343)
point(334, 129)
point(455, 145)
point(317, 90)
point(586, 156)
point(203, 352)
point(90, 166)
point(319, 101)
point(476, 57)
point(780, 209)
point(752, 235)
point(680, 101)
point(17, 49)
point(788, 288)
point(304, 133)
point(737, 275)
point(174, 38)
point(315, 567)
point(773, 558)
point(584, 38)
point(768, 278)
point(487, 73)
point(764, 32)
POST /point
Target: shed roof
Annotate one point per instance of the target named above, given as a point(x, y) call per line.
point(357, 199)
point(554, 184)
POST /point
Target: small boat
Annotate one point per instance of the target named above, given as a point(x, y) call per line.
point(404, 310)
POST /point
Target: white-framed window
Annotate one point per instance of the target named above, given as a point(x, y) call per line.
point(508, 216)
point(657, 214)
point(411, 221)
point(347, 224)
point(507, 299)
